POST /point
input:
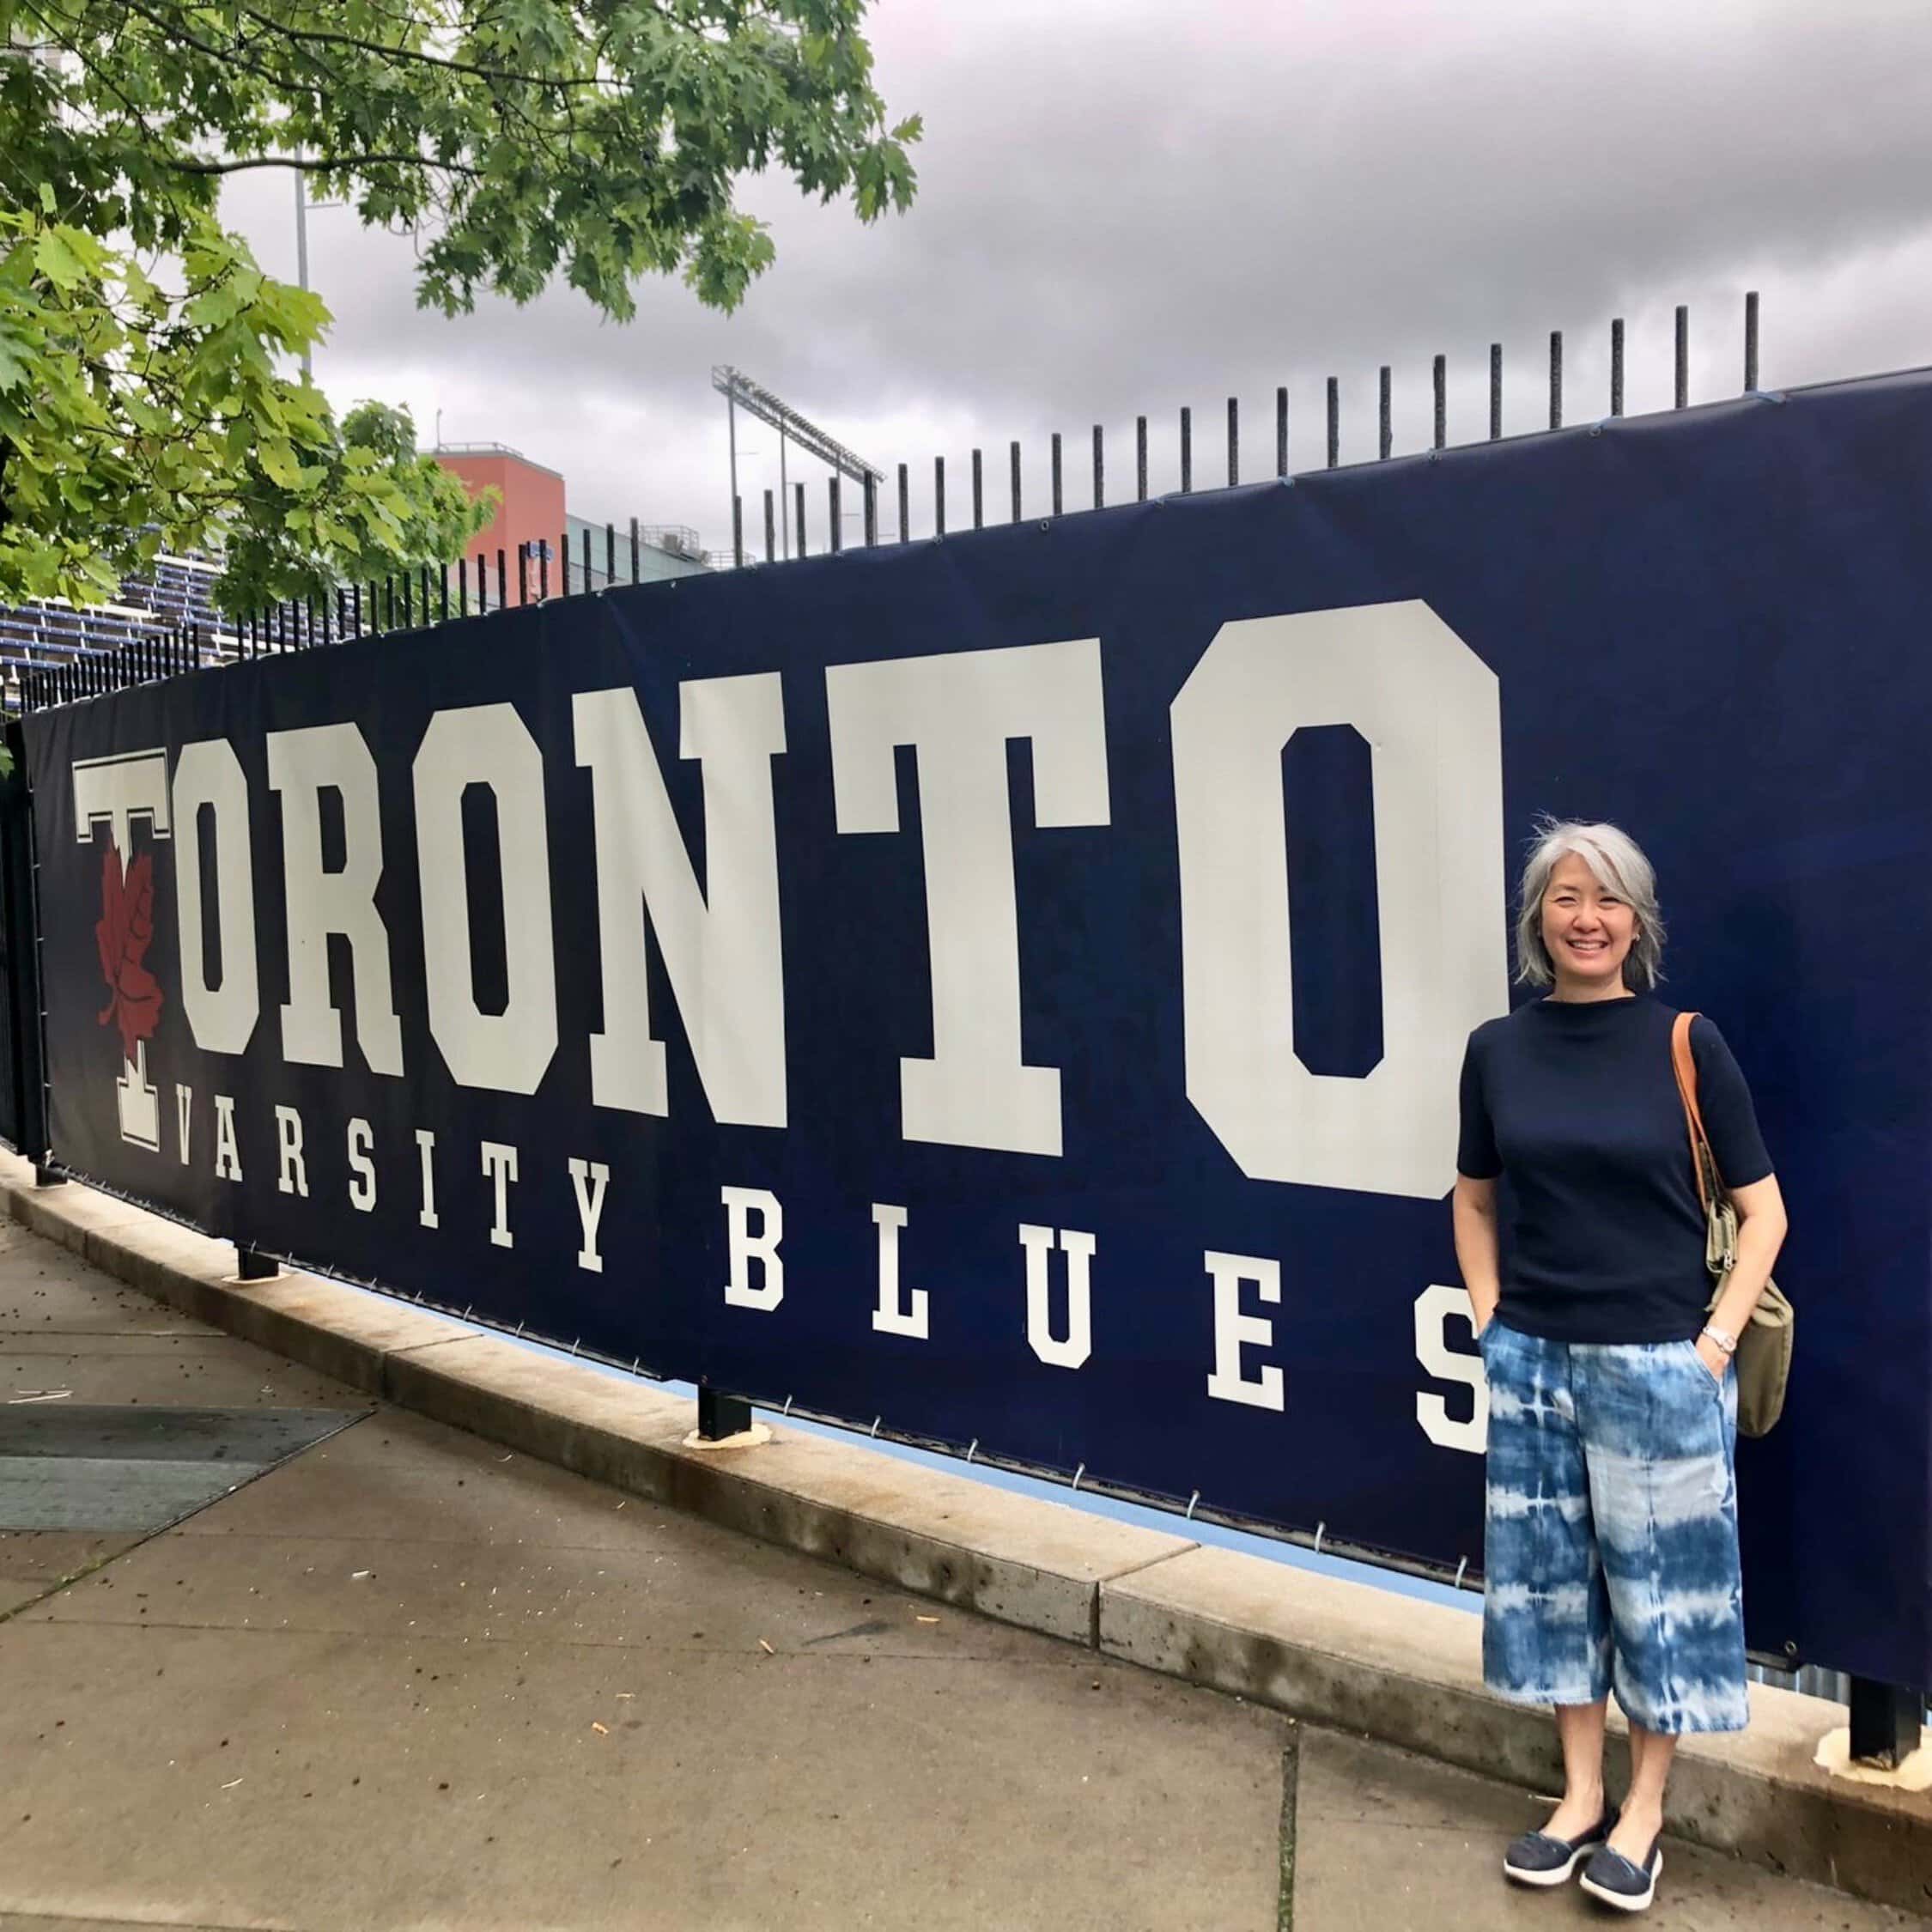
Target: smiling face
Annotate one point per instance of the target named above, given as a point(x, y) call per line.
point(1587, 930)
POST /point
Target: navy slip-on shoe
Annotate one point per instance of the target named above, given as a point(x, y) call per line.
point(1613, 1878)
point(1536, 1858)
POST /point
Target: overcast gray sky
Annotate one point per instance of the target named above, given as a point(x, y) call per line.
point(1127, 205)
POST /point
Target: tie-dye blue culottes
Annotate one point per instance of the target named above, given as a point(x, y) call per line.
point(1610, 1548)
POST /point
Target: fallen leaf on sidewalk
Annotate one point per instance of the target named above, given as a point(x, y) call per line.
point(623, 1695)
point(766, 1648)
point(601, 1730)
point(926, 1619)
point(231, 1784)
point(356, 1576)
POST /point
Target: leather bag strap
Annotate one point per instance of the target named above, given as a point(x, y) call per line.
point(1703, 1161)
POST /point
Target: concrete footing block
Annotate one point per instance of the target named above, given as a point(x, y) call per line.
point(1010, 1556)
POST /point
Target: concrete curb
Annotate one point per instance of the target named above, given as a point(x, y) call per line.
point(1332, 1652)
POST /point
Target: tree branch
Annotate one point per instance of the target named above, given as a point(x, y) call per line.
point(321, 164)
point(381, 50)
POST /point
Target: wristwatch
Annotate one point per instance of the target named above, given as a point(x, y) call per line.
point(1723, 1338)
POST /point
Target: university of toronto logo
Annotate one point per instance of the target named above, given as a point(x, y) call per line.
point(122, 933)
point(115, 792)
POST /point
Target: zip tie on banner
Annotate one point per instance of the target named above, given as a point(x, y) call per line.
point(1192, 1500)
point(1320, 1530)
point(466, 1309)
point(1077, 1473)
point(634, 1360)
point(786, 1410)
point(517, 1336)
point(1460, 1568)
point(576, 1345)
point(876, 1420)
point(972, 1449)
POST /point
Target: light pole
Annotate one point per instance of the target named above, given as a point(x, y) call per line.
point(301, 249)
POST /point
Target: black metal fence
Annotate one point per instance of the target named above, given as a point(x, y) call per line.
point(534, 572)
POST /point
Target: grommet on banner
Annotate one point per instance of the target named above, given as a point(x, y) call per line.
point(876, 1420)
point(1460, 1568)
point(1077, 1473)
point(1320, 1530)
point(786, 1410)
point(972, 1449)
point(1192, 1500)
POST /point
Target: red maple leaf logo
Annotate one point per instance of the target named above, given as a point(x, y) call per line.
point(123, 931)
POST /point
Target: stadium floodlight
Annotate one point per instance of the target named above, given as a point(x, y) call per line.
point(739, 391)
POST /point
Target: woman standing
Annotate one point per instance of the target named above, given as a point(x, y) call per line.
point(1611, 1551)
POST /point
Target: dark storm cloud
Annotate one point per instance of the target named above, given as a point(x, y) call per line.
point(1127, 205)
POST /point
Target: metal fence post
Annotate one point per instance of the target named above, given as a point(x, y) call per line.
point(1385, 439)
point(721, 1415)
point(979, 492)
point(1441, 379)
point(799, 505)
point(1617, 366)
point(905, 505)
point(832, 511)
point(1281, 430)
point(1186, 450)
point(771, 529)
point(1556, 379)
point(1750, 342)
point(1495, 390)
point(1056, 473)
point(1016, 465)
point(737, 534)
point(1683, 391)
point(1887, 1722)
point(1140, 459)
point(1334, 422)
point(871, 494)
point(1234, 442)
point(636, 551)
point(939, 496)
point(1099, 468)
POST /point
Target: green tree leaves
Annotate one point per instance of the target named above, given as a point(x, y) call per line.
point(142, 398)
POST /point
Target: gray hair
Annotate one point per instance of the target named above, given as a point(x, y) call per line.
point(1619, 863)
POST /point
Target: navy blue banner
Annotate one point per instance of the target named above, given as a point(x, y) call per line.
point(1013, 986)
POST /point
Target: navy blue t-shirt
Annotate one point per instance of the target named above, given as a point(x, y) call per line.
point(1573, 1104)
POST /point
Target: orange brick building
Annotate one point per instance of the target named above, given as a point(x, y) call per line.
point(532, 510)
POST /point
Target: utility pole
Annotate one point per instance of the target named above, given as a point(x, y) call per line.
point(731, 426)
point(301, 248)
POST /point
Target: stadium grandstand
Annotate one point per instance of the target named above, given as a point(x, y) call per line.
point(173, 598)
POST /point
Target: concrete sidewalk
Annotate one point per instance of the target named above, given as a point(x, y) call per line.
point(407, 1679)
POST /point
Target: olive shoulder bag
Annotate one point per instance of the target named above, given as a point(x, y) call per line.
point(1762, 1361)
